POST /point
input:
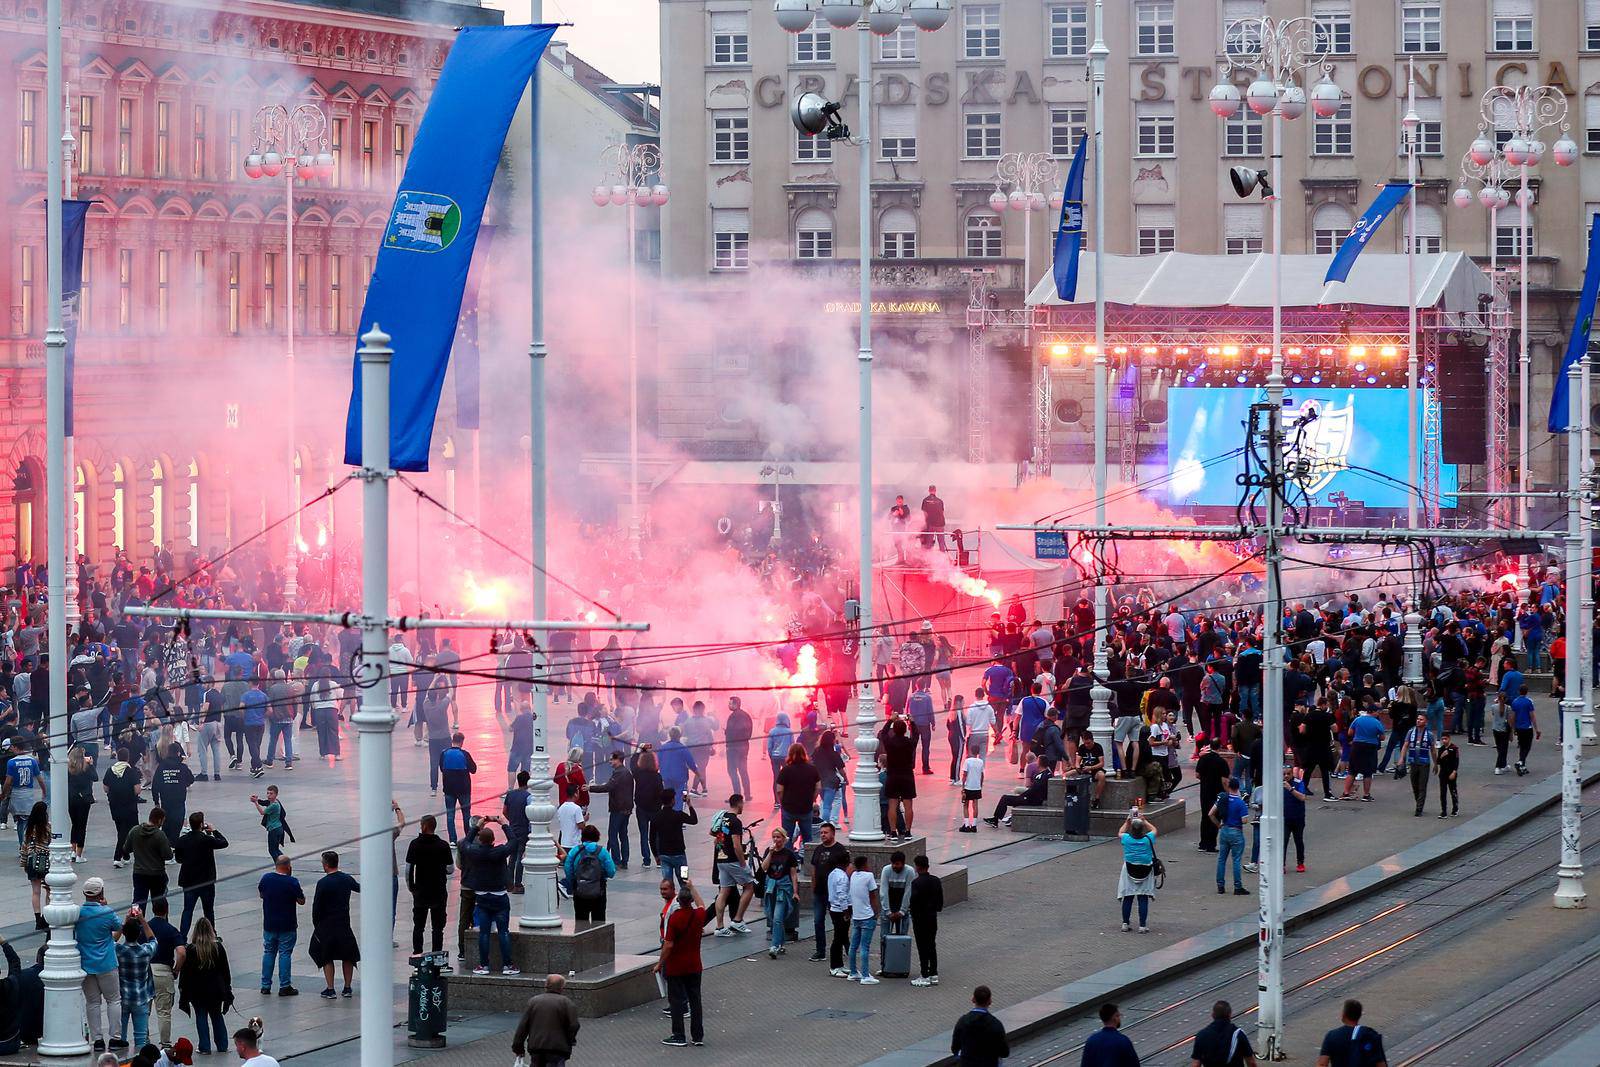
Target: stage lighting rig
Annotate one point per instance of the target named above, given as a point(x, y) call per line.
point(1247, 180)
point(813, 114)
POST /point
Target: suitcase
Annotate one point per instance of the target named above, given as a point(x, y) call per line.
point(897, 954)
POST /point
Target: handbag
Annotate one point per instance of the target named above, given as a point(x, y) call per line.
point(37, 863)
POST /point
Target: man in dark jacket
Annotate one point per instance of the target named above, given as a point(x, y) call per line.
point(979, 1039)
point(484, 872)
point(197, 868)
point(1031, 797)
point(619, 806)
point(170, 784)
point(737, 729)
point(549, 1026)
point(148, 845)
point(1053, 747)
point(924, 902)
point(21, 1001)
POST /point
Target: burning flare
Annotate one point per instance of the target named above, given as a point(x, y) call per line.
point(489, 597)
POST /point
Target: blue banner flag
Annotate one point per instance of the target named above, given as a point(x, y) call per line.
point(421, 271)
point(74, 219)
point(1069, 236)
point(1356, 240)
point(1578, 343)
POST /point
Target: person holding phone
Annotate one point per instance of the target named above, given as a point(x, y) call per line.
point(666, 833)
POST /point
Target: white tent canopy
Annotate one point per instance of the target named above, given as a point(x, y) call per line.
point(1446, 280)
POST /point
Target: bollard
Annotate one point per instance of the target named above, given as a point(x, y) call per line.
point(426, 1001)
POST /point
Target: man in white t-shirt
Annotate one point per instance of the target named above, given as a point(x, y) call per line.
point(980, 721)
point(246, 1043)
point(569, 824)
point(863, 921)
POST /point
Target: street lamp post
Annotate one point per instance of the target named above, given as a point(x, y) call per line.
point(632, 167)
point(777, 473)
point(295, 145)
point(1525, 112)
point(1490, 178)
point(1279, 53)
point(1034, 181)
point(868, 17)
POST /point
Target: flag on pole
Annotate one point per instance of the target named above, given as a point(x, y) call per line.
point(1578, 342)
point(74, 217)
point(1069, 235)
point(421, 271)
point(1356, 240)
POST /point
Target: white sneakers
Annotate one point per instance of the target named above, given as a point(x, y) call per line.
point(868, 980)
point(739, 927)
point(722, 931)
point(839, 972)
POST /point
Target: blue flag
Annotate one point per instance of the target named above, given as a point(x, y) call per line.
point(421, 271)
point(1069, 236)
point(1578, 343)
point(1356, 240)
point(74, 217)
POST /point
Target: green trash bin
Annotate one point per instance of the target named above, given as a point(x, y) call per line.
point(427, 1000)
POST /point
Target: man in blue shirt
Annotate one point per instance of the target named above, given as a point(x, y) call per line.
point(1109, 1046)
point(24, 783)
point(280, 924)
point(997, 683)
point(1229, 814)
point(95, 933)
point(677, 763)
point(1028, 723)
point(255, 725)
point(1526, 726)
point(456, 768)
point(920, 708)
point(1366, 737)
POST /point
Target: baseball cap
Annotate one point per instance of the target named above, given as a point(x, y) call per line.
point(94, 887)
point(182, 1051)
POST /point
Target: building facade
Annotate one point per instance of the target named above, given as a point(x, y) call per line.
point(1012, 76)
point(181, 355)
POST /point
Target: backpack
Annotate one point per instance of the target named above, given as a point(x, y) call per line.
point(1036, 743)
point(589, 876)
point(719, 822)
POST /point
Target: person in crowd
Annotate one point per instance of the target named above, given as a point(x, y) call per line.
point(150, 848)
point(1109, 1046)
point(979, 1039)
point(781, 888)
point(971, 789)
point(548, 1030)
point(332, 939)
point(1137, 879)
point(1228, 815)
point(737, 729)
point(798, 783)
point(135, 949)
point(281, 895)
point(21, 1001)
point(1416, 755)
point(165, 965)
point(122, 783)
point(679, 964)
point(1350, 1044)
point(863, 889)
point(456, 768)
point(1526, 724)
point(197, 868)
point(587, 868)
point(81, 780)
point(924, 903)
point(273, 820)
point(484, 872)
point(34, 855)
point(737, 884)
point(205, 985)
point(429, 865)
point(95, 932)
point(1033, 796)
point(1447, 762)
point(1222, 1044)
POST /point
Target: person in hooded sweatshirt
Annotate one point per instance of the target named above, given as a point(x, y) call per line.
point(778, 742)
point(121, 782)
point(150, 848)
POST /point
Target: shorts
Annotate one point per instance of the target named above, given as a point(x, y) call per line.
point(972, 794)
point(734, 874)
point(1363, 760)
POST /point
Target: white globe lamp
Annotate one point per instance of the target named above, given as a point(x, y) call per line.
point(1565, 151)
point(1482, 151)
point(841, 16)
point(1225, 100)
point(795, 15)
point(929, 15)
point(1293, 102)
point(1262, 96)
point(883, 17)
point(1326, 99)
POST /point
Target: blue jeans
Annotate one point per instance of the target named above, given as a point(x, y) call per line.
point(209, 1023)
point(670, 865)
point(830, 803)
point(820, 920)
point(436, 748)
point(1532, 643)
point(452, 801)
point(1230, 842)
point(861, 942)
point(645, 819)
point(782, 897)
point(277, 945)
point(141, 1024)
point(617, 836)
point(800, 824)
point(738, 757)
point(492, 910)
point(1250, 701)
point(284, 730)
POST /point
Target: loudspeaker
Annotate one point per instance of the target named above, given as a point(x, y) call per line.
point(1463, 405)
point(1010, 403)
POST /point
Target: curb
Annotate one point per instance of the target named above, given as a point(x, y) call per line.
point(1029, 1017)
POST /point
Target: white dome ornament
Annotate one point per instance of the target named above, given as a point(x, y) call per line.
point(1225, 100)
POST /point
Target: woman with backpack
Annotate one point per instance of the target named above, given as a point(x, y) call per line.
point(587, 867)
point(325, 713)
point(34, 855)
point(205, 985)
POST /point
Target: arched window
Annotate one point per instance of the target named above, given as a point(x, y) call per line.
point(1329, 225)
point(158, 506)
point(985, 238)
point(80, 511)
point(194, 504)
point(813, 235)
point(119, 504)
point(897, 234)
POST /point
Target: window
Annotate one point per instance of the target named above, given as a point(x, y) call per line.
point(1422, 27)
point(86, 159)
point(197, 277)
point(125, 289)
point(897, 132)
point(730, 132)
point(25, 276)
point(366, 264)
point(899, 45)
point(163, 138)
point(119, 506)
point(982, 134)
point(980, 25)
point(80, 537)
point(1591, 123)
point(813, 235)
point(194, 505)
point(235, 120)
point(335, 294)
point(1154, 33)
point(197, 163)
point(985, 237)
point(898, 234)
point(1332, 19)
point(402, 134)
point(814, 45)
point(730, 230)
point(1069, 31)
point(1244, 134)
point(730, 38)
point(1512, 28)
point(1241, 26)
point(86, 292)
point(27, 129)
point(1430, 130)
point(1336, 135)
point(1242, 229)
point(269, 290)
point(302, 290)
point(1155, 129)
point(1068, 127)
point(337, 132)
point(1157, 226)
point(233, 293)
point(163, 289)
point(158, 505)
point(369, 146)
point(1429, 231)
point(809, 149)
point(1508, 239)
point(124, 137)
point(1591, 25)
